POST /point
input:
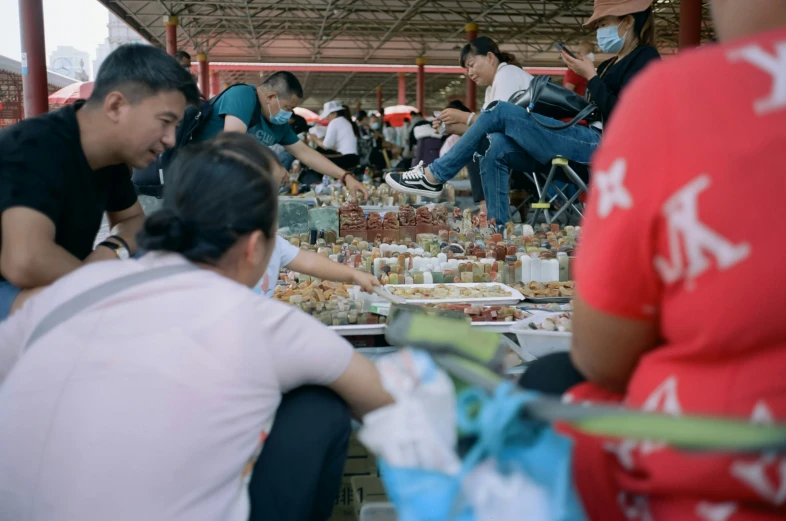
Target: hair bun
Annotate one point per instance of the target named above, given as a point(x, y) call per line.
point(165, 230)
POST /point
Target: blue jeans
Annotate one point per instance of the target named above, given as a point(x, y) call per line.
point(8, 293)
point(502, 156)
point(518, 128)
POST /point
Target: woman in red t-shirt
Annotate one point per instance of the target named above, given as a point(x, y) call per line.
point(665, 264)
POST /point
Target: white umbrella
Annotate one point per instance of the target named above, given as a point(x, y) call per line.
point(395, 114)
point(308, 115)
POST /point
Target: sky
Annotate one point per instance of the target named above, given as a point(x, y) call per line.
point(78, 23)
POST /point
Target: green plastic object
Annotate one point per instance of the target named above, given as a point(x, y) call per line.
point(475, 358)
point(440, 334)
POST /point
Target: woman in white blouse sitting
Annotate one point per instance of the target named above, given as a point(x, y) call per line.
point(487, 66)
point(340, 144)
point(500, 73)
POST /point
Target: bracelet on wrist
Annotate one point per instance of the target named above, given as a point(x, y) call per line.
point(469, 119)
point(120, 252)
point(121, 240)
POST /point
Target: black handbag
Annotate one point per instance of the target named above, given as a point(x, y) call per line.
point(554, 101)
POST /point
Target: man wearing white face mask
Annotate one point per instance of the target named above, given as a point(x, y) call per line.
point(626, 28)
point(264, 113)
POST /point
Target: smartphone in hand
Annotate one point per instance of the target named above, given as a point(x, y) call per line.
point(561, 47)
point(441, 129)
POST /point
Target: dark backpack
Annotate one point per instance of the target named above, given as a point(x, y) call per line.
point(150, 180)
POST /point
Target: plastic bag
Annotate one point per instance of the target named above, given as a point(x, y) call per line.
point(419, 430)
point(518, 470)
point(494, 496)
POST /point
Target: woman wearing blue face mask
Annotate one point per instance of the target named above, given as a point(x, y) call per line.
point(626, 28)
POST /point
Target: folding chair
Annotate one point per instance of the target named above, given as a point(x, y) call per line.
point(546, 201)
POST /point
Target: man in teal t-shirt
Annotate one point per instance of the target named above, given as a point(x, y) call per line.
point(264, 113)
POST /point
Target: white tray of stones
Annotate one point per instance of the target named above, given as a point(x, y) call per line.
point(486, 293)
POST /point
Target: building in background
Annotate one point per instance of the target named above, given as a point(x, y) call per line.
point(119, 34)
point(71, 62)
point(12, 106)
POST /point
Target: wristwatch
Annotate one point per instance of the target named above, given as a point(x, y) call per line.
point(121, 252)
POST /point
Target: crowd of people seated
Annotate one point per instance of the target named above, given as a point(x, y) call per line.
point(511, 138)
point(149, 377)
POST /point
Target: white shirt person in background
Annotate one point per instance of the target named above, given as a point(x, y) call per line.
point(156, 402)
point(487, 66)
point(340, 144)
point(500, 73)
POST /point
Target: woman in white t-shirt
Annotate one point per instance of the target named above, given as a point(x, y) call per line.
point(340, 144)
point(487, 66)
point(500, 73)
point(154, 401)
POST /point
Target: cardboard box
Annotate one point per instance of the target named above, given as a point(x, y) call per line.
point(359, 461)
point(359, 464)
point(367, 490)
point(343, 508)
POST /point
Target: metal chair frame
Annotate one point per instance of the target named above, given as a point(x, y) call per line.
point(544, 204)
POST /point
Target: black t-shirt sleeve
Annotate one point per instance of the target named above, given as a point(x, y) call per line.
point(30, 175)
point(604, 96)
point(121, 194)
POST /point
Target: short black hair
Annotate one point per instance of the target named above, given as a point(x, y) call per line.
point(285, 84)
point(140, 71)
point(362, 115)
point(458, 105)
point(179, 55)
point(482, 46)
point(216, 192)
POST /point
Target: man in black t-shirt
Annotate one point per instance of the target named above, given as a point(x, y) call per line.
point(61, 171)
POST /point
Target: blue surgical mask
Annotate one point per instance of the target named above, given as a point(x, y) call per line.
point(281, 117)
point(609, 39)
point(375, 126)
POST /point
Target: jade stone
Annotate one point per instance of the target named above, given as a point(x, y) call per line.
point(292, 218)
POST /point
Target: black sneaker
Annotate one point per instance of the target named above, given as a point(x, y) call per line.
point(414, 181)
